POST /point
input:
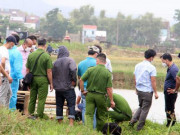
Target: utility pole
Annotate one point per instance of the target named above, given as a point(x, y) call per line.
point(117, 32)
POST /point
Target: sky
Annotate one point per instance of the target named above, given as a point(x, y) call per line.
point(160, 8)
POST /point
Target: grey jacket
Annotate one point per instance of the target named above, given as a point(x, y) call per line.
point(64, 70)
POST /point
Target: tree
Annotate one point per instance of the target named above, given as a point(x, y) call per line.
point(176, 27)
point(84, 15)
point(55, 25)
point(102, 14)
point(177, 15)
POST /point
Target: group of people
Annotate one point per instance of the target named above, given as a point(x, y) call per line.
point(145, 83)
point(94, 77)
point(17, 62)
point(13, 60)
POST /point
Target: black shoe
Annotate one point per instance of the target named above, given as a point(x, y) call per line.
point(131, 124)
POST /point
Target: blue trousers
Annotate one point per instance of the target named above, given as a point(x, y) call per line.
point(83, 107)
point(13, 100)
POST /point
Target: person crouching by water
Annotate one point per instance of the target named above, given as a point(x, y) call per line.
point(64, 81)
point(170, 83)
point(145, 83)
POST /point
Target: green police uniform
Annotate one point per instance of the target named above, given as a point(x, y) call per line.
point(99, 79)
point(122, 111)
point(39, 86)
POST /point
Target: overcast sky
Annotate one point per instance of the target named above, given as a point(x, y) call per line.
point(160, 8)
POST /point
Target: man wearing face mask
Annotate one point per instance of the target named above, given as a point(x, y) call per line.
point(170, 83)
point(145, 83)
point(25, 49)
point(34, 40)
point(15, 58)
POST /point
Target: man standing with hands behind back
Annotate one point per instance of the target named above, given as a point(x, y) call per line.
point(145, 83)
point(170, 83)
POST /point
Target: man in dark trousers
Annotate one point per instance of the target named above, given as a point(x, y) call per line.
point(99, 84)
point(42, 77)
point(145, 83)
point(64, 81)
point(170, 83)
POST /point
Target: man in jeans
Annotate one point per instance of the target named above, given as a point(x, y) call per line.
point(145, 82)
point(64, 81)
point(83, 66)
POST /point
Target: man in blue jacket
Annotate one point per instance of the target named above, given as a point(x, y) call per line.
point(16, 63)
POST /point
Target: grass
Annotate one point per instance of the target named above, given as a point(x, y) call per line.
point(13, 123)
point(150, 129)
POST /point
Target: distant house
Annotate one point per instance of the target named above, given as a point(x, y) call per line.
point(32, 21)
point(88, 33)
point(18, 16)
point(15, 15)
point(101, 36)
point(165, 32)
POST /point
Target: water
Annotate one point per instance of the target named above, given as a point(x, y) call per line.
point(157, 110)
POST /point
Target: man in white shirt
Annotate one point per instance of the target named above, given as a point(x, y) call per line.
point(5, 89)
point(145, 83)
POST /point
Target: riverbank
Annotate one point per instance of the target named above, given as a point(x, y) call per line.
point(157, 110)
point(13, 123)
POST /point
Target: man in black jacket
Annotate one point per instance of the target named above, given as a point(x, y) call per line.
point(64, 81)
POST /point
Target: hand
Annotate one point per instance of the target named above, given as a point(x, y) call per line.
point(156, 96)
point(28, 88)
point(73, 83)
point(170, 91)
point(7, 72)
point(136, 92)
point(84, 93)
point(51, 87)
point(112, 104)
point(10, 79)
point(21, 82)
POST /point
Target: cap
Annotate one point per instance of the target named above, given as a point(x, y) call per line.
point(11, 39)
point(94, 48)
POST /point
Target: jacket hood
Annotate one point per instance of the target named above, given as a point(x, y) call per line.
point(63, 52)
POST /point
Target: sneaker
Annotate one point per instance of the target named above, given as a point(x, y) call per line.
point(32, 117)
